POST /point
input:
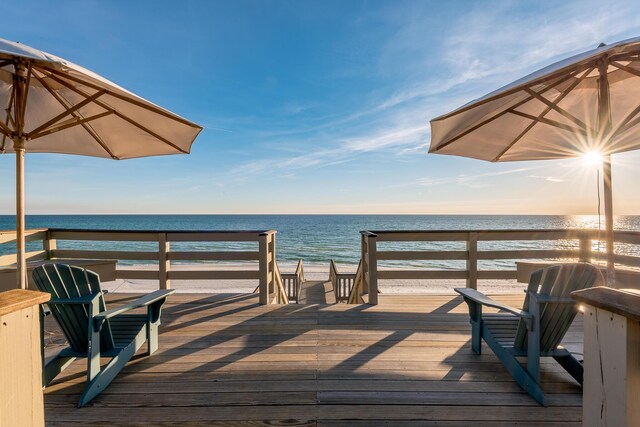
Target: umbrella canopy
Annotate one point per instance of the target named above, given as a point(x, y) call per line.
point(50, 105)
point(589, 102)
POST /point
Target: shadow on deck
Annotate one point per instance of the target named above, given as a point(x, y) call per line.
point(408, 360)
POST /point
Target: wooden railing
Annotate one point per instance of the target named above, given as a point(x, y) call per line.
point(270, 284)
point(370, 255)
point(357, 290)
point(342, 283)
point(9, 236)
point(293, 282)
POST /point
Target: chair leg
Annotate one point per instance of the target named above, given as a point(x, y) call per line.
point(152, 337)
point(54, 367)
point(111, 370)
point(476, 336)
point(153, 321)
point(572, 366)
point(475, 314)
point(519, 374)
point(533, 352)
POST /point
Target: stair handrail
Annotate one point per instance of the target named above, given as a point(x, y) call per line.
point(299, 277)
point(281, 293)
point(355, 296)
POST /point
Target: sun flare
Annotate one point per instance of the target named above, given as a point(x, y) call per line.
point(592, 158)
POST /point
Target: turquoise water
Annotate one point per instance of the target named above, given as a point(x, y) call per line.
point(318, 238)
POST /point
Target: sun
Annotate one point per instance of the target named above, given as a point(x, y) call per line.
point(592, 158)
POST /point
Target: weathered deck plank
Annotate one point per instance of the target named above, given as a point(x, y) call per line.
point(224, 358)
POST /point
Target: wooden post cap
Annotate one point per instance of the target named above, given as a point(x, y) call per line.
point(17, 299)
point(623, 302)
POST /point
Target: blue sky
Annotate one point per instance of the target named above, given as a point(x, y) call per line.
point(315, 107)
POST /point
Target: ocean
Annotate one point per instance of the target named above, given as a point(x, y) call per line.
point(318, 238)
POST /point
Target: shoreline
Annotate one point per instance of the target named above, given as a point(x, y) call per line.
point(312, 272)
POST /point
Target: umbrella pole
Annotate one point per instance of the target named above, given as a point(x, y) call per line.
point(604, 132)
point(20, 102)
point(608, 213)
point(18, 147)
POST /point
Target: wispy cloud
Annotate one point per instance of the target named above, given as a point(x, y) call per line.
point(498, 41)
point(549, 178)
point(469, 180)
point(396, 140)
point(484, 49)
point(218, 129)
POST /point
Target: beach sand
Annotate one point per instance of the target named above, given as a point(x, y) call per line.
point(313, 272)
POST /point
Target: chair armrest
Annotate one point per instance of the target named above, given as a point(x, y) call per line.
point(143, 301)
point(482, 299)
point(83, 300)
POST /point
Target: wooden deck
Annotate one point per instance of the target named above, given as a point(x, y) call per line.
point(407, 361)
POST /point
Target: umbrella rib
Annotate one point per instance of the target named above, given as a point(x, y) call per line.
point(628, 126)
point(566, 92)
point(8, 110)
point(69, 111)
point(149, 131)
point(625, 123)
point(558, 74)
point(4, 127)
point(74, 122)
point(632, 55)
point(554, 106)
point(626, 68)
point(154, 109)
point(87, 127)
point(497, 115)
point(549, 122)
point(122, 116)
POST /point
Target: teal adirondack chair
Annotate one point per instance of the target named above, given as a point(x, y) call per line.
point(538, 328)
point(92, 331)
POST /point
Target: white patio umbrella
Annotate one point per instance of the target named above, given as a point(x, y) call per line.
point(587, 103)
point(50, 105)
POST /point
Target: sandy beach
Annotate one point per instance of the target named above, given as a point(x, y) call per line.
point(313, 272)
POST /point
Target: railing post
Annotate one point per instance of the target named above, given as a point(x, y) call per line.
point(49, 245)
point(271, 258)
point(585, 247)
point(264, 268)
point(472, 260)
point(372, 262)
point(164, 261)
point(365, 264)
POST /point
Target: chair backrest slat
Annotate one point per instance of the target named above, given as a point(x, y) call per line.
point(65, 281)
point(555, 319)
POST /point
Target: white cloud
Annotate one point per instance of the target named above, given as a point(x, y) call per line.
point(485, 48)
point(469, 180)
point(549, 178)
point(498, 41)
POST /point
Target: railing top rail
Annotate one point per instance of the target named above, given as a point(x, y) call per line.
point(624, 236)
point(90, 230)
point(333, 266)
point(30, 230)
point(505, 230)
